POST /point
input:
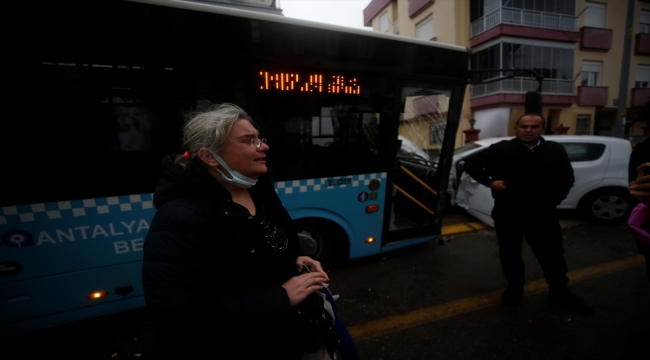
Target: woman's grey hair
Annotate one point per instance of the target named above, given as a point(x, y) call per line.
point(209, 129)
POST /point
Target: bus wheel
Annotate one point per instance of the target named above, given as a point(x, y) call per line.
point(317, 237)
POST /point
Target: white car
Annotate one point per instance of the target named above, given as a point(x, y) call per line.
point(599, 166)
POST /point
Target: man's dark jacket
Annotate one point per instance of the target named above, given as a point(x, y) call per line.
point(535, 179)
point(640, 155)
point(211, 281)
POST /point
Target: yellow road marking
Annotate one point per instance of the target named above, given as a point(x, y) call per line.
point(427, 315)
point(463, 228)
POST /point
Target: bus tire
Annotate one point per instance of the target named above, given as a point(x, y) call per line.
point(318, 236)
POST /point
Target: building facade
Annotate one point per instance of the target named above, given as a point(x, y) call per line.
point(576, 45)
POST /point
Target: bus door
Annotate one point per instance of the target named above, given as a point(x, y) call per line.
point(412, 208)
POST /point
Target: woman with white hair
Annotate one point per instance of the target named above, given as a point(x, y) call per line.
point(222, 264)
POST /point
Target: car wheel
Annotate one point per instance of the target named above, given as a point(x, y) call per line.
point(317, 237)
point(606, 205)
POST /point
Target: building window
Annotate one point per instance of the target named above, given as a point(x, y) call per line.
point(595, 15)
point(383, 22)
point(479, 8)
point(549, 62)
point(642, 78)
point(591, 73)
point(488, 58)
point(424, 30)
point(644, 22)
point(436, 132)
point(583, 124)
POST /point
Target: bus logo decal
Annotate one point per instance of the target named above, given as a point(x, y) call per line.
point(339, 182)
point(17, 238)
point(310, 185)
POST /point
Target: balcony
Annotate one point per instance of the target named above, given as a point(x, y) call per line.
point(592, 95)
point(522, 85)
point(266, 6)
point(373, 9)
point(642, 44)
point(521, 17)
point(595, 39)
point(417, 6)
point(640, 96)
point(512, 92)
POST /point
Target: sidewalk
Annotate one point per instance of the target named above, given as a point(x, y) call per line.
point(456, 222)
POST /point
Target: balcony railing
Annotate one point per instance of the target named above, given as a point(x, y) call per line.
point(522, 85)
point(640, 97)
point(642, 44)
point(595, 39)
point(592, 95)
point(522, 17)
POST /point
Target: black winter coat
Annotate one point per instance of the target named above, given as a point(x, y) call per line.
point(535, 179)
point(211, 281)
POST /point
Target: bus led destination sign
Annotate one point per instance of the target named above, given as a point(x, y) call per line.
point(334, 84)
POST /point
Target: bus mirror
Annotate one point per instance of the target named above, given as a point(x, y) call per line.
point(533, 102)
point(460, 165)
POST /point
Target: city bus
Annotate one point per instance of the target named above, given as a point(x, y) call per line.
point(99, 91)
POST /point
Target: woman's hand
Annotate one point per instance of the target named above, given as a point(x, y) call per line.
point(640, 188)
point(313, 265)
point(299, 287)
point(498, 185)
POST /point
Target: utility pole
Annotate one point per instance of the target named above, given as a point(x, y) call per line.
point(621, 113)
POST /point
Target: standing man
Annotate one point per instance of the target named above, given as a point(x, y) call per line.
point(529, 177)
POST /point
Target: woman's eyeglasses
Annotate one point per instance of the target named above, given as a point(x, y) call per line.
point(255, 142)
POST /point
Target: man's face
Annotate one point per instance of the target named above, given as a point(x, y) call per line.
point(529, 129)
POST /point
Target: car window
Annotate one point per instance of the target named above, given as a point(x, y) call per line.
point(584, 151)
point(462, 149)
point(465, 148)
point(410, 151)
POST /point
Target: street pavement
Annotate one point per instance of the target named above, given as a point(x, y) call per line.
point(438, 300)
point(443, 301)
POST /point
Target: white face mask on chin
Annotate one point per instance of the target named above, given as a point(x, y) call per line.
point(237, 179)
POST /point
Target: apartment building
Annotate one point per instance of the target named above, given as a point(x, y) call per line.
point(576, 45)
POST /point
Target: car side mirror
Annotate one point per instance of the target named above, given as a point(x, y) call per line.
point(460, 165)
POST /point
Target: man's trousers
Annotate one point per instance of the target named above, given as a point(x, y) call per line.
point(541, 229)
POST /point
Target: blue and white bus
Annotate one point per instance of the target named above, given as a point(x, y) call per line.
point(98, 93)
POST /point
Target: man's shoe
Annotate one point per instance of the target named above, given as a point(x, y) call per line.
point(566, 300)
point(512, 295)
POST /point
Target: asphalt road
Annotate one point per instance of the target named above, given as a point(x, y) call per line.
point(443, 301)
point(439, 300)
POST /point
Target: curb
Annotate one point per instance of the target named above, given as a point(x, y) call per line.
point(463, 228)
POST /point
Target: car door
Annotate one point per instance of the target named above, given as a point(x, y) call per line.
point(475, 198)
point(480, 203)
point(589, 161)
